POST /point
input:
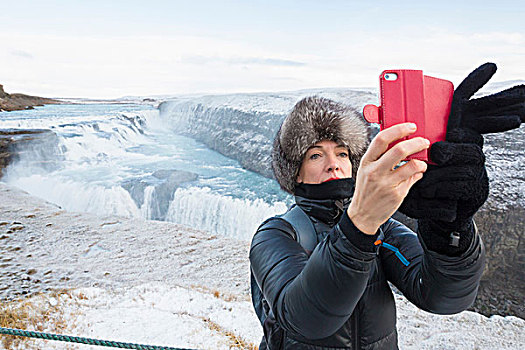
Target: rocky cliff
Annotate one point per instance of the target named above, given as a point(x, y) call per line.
point(16, 102)
point(13, 142)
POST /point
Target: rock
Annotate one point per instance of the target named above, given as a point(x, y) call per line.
point(15, 102)
point(163, 194)
point(110, 223)
point(136, 190)
point(35, 146)
point(165, 183)
point(503, 280)
point(16, 227)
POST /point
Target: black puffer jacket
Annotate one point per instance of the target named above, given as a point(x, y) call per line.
point(338, 297)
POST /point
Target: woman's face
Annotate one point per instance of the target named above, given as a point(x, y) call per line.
point(325, 161)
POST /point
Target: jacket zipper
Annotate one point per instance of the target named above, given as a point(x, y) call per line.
point(355, 326)
point(394, 249)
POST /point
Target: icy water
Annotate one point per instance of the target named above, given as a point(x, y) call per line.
point(124, 159)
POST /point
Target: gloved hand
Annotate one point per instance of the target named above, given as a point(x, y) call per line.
point(498, 112)
point(450, 193)
point(454, 189)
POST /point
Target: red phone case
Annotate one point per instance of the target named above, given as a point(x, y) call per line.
point(413, 97)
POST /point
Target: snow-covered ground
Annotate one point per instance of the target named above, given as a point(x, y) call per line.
point(158, 283)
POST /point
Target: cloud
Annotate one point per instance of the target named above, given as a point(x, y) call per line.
point(22, 54)
point(70, 66)
point(266, 61)
point(242, 61)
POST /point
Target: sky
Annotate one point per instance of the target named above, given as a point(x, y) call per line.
point(110, 49)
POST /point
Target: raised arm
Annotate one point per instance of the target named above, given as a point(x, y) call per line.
point(433, 282)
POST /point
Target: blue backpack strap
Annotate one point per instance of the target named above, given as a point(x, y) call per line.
point(305, 233)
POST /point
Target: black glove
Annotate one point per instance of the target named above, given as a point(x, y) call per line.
point(498, 112)
point(451, 192)
point(454, 189)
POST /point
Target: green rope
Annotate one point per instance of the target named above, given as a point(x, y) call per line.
point(89, 341)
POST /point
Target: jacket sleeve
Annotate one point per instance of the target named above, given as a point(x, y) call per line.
point(310, 296)
point(433, 282)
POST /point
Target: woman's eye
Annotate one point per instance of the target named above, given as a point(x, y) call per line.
point(315, 156)
point(343, 154)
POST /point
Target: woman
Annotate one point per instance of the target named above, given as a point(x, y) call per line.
point(320, 272)
point(333, 293)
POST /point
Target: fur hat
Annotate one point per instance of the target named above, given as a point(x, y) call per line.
point(315, 119)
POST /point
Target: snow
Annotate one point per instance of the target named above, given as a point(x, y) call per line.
point(276, 102)
point(167, 316)
point(282, 101)
point(158, 283)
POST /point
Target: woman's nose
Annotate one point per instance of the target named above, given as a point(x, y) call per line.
point(333, 167)
point(332, 164)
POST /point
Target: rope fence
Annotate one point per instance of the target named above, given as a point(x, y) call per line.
point(82, 340)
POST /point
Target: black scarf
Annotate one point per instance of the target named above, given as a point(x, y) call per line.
point(325, 201)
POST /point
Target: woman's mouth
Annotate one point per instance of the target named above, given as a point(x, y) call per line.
point(330, 179)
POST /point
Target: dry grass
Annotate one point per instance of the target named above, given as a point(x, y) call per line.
point(219, 295)
point(13, 316)
point(42, 312)
point(236, 342)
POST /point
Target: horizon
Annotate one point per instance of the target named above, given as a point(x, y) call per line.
point(99, 50)
point(199, 94)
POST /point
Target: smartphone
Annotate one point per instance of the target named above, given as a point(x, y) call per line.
point(407, 95)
